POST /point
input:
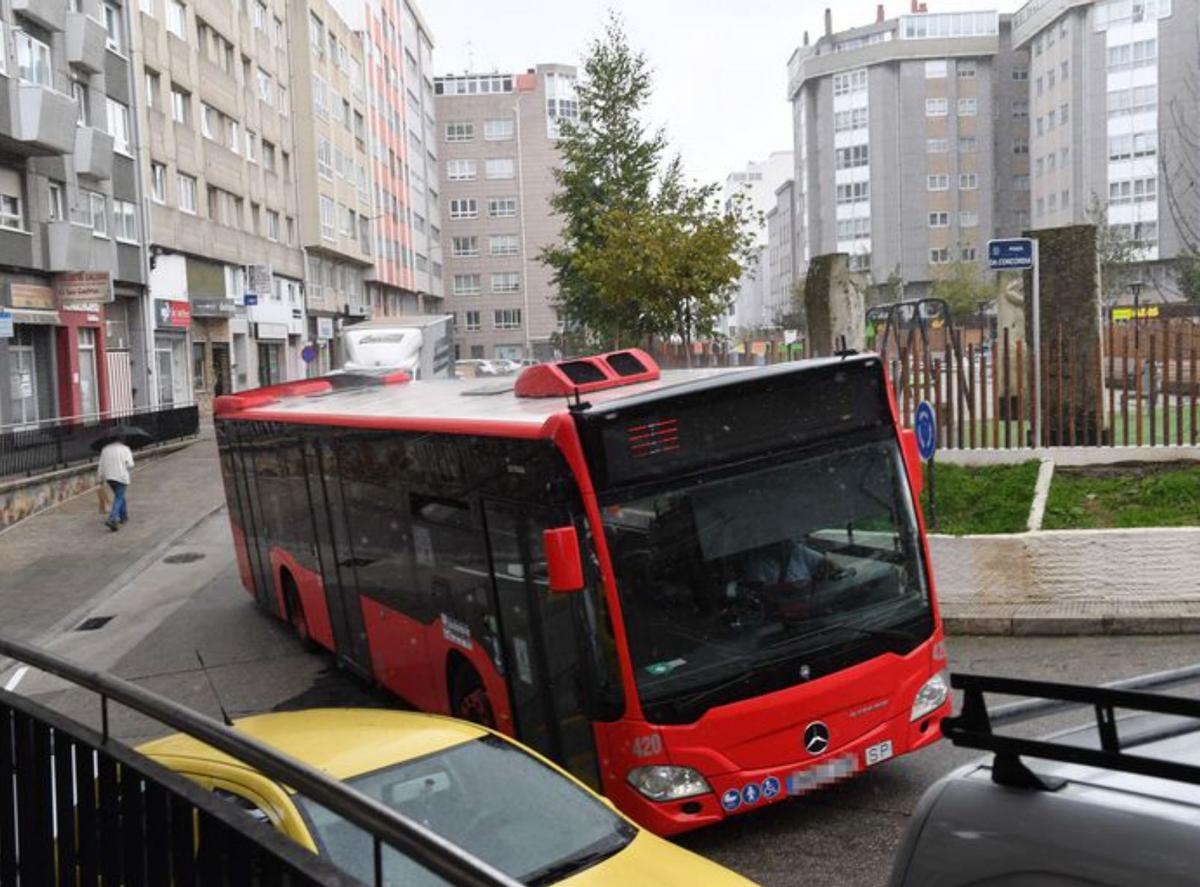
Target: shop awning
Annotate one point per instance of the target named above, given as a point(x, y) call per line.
point(34, 315)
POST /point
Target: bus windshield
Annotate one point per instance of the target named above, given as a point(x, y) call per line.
point(758, 578)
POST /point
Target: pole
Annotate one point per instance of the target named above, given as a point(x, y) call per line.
point(933, 518)
point(1037, 348)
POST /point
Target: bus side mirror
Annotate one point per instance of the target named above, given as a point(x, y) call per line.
point(564, 568)
point(912, 460)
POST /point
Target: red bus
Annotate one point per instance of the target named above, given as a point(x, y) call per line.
point(700, 591)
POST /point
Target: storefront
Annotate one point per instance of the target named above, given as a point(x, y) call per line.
point(172, 320)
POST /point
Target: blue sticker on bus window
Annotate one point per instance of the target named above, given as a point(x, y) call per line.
point(750, 794)
point(770, 787)
point(731, 799)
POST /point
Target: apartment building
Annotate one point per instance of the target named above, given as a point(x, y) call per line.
point(73, 318)
point(216, 153)
point(757, 184)
point(1112, 93)
point(329, 107)
point(781, 268)
point(407, 274)
point(911, 142)
point(499, 136)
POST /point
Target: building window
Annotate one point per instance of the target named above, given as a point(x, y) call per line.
point(853, 192)
point(83, 104)
point(467, 284)
point(968, 181)
point(251, 146)
point(118, 126)
point(965, 68)
point(499, 207)
point(853, 229)
point(153, 88)
point(33, 59)
point(968, 107)
point(272, 225)
point(939, 256)
point(460, 131)
point(937, 146)
point(57, 209)
point(853, 156)
point(471, 322)
point(503, 245)
point(1133, 190)
point(935, 107)
point(500, 168)
point(464, 247)
point(500, 130)
point(187, 193)
point(506, 282)
point(12, 206)
point(328, 218)
point(1020, 146)
point(939, 182)
point(939, 220)
point(507, 319)
point(854, 118)
point(968, 145)
point(282, 105)
point(1020, 109)
point(324, 158)
point(464, 208)
point(460, 170)
point(316, 33)
point(95, 205)
point(935, 69)
point(850, 81)
point(177, 19)
point(264, 86)
point(1020, 74)
point(158, 182)
point(968, 219)
point(125, 221)
point(112, 26)
point(1064, 113)
point(181, 106)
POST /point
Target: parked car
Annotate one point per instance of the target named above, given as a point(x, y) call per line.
point(507, 366)
point(490, 795)
point(1115, 803)
point(476, 367)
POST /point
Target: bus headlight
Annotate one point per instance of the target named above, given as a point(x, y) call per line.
point(930, 697)
point(665, 783)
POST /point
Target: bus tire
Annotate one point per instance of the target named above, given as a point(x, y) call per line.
point(295, 612)
point(469, 699)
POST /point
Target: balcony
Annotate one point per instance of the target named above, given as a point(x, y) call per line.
point(71, 247)
point(39, 120)
point(86, 39)
point(50, 14)
point(93, 153)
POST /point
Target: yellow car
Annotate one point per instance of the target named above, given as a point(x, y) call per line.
point(498, 800)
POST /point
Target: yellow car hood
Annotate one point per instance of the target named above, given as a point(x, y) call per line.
point(649, 860)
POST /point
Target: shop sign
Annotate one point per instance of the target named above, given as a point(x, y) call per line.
point(6, 325)
point(94, 287)
point(272, 331)
point(258, 279)
point(172, 314)
point(214, 308)
point(28, 295)
point(324, 327)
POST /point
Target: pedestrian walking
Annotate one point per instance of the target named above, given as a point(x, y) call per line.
point(116, 461)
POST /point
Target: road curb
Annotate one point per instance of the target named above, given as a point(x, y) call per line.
point(1070, 625)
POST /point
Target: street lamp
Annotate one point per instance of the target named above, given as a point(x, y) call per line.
point(1136, 288)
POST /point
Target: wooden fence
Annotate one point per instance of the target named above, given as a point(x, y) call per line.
point(1138, 386)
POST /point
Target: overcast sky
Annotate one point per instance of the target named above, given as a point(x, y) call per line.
point(720, 65)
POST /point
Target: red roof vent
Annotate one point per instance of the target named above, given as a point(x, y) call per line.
point(587, 374)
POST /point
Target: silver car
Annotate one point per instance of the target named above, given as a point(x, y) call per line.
point(1114, 803)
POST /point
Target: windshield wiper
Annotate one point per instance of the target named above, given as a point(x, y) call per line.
point(556, 871)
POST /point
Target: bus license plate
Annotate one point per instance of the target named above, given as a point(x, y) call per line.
point(878, 753)
point(822, 774)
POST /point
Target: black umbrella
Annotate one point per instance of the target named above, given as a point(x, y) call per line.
point(130, 435)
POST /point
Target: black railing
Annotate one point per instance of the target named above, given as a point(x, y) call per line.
point(77, 806)
point(63, 442)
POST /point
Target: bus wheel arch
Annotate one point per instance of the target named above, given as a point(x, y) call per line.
point(469, 698)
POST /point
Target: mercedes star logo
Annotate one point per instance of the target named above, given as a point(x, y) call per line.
point(816, 738)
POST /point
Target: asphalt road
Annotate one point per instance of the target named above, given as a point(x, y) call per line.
point(841, 837)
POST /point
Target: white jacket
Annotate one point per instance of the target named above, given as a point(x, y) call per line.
point(116, 460)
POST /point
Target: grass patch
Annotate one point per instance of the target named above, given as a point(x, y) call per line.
point(985, 499)
point(1158, 495)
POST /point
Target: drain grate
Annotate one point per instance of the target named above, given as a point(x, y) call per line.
point(93, 622)
point(185, 557)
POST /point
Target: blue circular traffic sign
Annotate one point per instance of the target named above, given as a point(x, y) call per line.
point(926, 427)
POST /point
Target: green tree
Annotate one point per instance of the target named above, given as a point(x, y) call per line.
point(610, 162)
point(794, 317)
point(963, 288)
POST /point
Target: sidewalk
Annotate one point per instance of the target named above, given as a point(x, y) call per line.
point(55, 563)
point(1073, 618)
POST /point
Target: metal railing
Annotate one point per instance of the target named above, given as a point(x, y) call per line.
point(58, 443)
point(76, 801)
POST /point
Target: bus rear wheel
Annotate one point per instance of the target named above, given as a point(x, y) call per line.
point(469, 699)
point(295, 613)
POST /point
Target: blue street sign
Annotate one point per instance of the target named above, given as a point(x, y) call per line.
point(6, 325)
point(251, 299)
point(1014, 254)
point(926, 428)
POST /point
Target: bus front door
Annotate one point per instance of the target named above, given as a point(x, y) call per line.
point(542, 650)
